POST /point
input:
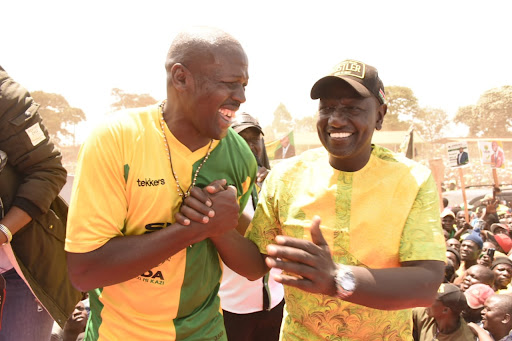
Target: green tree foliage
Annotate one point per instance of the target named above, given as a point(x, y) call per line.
point(306, 124)
point(124, 100)
point(57, 114)
point(430, 123)
point(491, 116)
point(402, 107)
point(282, 119)
point(269, 133)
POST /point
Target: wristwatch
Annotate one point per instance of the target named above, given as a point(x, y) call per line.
point(345, 282)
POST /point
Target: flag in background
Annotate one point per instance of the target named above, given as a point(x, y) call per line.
point(407, 145)
point(275, 145)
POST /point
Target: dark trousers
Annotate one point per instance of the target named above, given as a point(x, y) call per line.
point(258, 326)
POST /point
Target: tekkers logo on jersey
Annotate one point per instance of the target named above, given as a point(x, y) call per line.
point(147, 182)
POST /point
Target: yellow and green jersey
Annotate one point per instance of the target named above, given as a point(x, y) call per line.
point(124, 186)
point(382, 215)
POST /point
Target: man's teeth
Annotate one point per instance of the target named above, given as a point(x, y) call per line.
point(227, 112)
point(340, 135)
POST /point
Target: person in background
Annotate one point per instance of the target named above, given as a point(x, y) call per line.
point(496, 319)
point(32, 257)
point(500, 228)
point(453, 255)
point(253, 310)
point(452, 185)
point(448, 222)
point(454, 243)
point(477, 274)
point(452, 261)
point(476, 295)
point(498, 156)
point(75, 325)
point(502, 241)
point(250, 130)
point(442, 320)
point(286, 150)
point(502, 268)
point(487, 255)
point(470, 249)
point(462, 157)
point(449, 272)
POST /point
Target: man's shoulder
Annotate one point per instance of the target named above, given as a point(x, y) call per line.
point(126, 121)
point(306, 160)
point(400, 162)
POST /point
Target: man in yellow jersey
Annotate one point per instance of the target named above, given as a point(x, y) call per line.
point(148, 277)
point(378, 249)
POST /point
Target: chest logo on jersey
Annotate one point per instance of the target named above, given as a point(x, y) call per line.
point(147, 182)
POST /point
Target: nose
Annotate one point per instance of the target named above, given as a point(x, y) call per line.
point(239, 93)
point(338, 118)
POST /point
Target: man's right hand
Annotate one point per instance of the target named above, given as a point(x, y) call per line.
point(216, 205)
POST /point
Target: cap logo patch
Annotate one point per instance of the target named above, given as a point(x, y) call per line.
point(350, 68)
point(382, 95)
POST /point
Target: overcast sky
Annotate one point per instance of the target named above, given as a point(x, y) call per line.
point(447, 52)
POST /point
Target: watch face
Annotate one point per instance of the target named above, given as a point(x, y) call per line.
point(347, 282)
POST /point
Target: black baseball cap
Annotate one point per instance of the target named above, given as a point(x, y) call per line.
point(452, 297)
point(244, 121)
point(360, 76)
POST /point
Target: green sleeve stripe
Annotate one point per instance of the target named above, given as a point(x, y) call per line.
point(199, 307)
point(94, 321)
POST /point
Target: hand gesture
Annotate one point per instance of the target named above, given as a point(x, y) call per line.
point(491, 206)
point(309, 265)
point(197, 206)
point(216, 206)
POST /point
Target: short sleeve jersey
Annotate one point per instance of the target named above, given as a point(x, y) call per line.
point(384, 214)
point(124, 186)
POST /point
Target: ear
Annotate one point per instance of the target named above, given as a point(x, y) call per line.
point(506, 319)
point(180, 77)
point(381, 112)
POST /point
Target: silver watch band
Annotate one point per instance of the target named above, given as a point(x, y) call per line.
point(7, 233)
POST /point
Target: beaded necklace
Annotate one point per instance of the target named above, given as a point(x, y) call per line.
point(180, 190)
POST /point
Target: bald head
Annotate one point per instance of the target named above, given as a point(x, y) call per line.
point(198, 45)
point(504, 303)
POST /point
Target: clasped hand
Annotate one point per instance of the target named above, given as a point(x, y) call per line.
point(216, 206)
point(306, 265)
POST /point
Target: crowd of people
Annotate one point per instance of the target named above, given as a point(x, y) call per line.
point(179, 230)
point(475, 300)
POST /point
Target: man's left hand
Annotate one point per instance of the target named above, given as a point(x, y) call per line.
point(309, 264)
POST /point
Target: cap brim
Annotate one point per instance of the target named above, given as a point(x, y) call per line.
point(238, 128)
point(322, 84)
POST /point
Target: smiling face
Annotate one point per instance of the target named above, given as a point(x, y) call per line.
point(345, 125)
point(492, 314)
point(477, 274)
point(447, 223)
point(219, 89)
